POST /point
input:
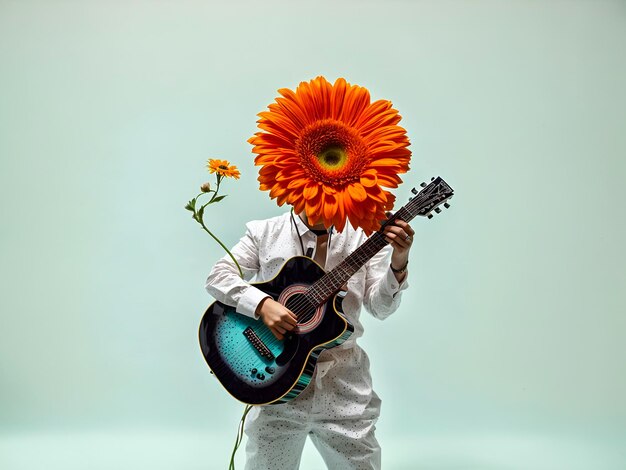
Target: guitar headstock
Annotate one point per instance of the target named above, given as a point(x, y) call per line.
point(428, 200)
point(425, 202)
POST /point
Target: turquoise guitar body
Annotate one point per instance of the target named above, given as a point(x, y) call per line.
point(250, 362)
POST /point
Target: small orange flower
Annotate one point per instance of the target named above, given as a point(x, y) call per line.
point(327, 150)
point(223, 168)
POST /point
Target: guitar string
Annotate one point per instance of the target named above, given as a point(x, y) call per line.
point(331, 281)
point(320, 282)
point(265, 335)
point(326, 281)
point(247, 353)
point(323, 283)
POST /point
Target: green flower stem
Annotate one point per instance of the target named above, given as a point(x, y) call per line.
point(222, 245)
point(231, 466)
point(219, 180)
point(198, 215)
point(200, 220)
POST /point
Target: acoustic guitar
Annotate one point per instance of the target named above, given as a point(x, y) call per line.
point(257, 368)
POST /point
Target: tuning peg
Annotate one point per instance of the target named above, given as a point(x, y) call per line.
point(446, 205)
point(432, 178)
point(430, 216)
point(437, 210)
point(423, 185)
point(411, 198)
point(414, 191)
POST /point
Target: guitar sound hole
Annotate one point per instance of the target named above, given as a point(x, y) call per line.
point(299, 305)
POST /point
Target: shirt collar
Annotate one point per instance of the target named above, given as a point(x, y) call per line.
point(302, 227)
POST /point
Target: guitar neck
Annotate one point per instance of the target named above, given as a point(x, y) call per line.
point(332, 281)
point(423, 204)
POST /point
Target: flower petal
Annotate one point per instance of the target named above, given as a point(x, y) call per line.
point(369, 179)
point(357, 192)
point(310, 190)
point(330, 208)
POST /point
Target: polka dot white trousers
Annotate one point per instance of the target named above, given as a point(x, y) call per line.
point(338, 411)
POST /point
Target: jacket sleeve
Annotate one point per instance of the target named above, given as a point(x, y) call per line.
point(224, 282)
point(382, 291)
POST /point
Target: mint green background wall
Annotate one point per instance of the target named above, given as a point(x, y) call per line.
point(508, 351)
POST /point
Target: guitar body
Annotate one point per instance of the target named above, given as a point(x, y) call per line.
point(250, 362)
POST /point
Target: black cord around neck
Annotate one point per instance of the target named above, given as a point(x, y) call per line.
point(318, 233)
point(293, 222)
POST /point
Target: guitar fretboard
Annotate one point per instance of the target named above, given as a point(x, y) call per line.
point(432, 195)
point(332, 281)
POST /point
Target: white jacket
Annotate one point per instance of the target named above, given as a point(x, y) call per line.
point(268, 244)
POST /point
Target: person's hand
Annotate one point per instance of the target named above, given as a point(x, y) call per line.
point(278, 318)
point(400, 237)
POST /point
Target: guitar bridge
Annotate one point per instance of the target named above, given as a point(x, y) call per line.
point(258, 343)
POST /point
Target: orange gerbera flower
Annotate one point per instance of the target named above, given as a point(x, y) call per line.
point(223, 168)
point(327, 150)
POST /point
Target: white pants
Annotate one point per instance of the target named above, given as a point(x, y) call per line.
point(338, 410)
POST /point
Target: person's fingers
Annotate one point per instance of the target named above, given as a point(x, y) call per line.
point(402, 224)
point(398, 236)
point(395, 239)
point(394, 229)
point(280, 329)
point(401, 231)
point(406, 227)
point(390, 237)
point(277, 334)
point(290, 319)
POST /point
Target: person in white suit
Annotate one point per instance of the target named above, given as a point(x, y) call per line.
point(339, 408)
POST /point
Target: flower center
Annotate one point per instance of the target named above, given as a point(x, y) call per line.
point(332, 152)
point(223, 167)
point(332, 157)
